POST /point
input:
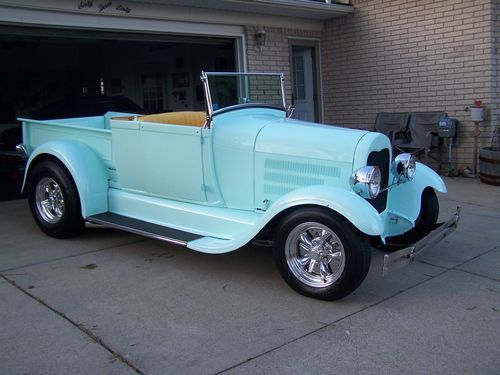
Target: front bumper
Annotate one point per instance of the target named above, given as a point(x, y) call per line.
point(407, 255)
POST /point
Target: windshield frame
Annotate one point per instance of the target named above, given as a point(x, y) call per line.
point(208, 99)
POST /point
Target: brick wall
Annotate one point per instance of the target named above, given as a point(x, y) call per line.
point(496, 114)
point(413, 56)
point(275, 55)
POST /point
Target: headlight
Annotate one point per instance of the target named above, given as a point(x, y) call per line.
point(366, 182)
point(404, 166)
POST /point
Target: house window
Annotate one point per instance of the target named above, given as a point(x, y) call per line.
point(152, 93)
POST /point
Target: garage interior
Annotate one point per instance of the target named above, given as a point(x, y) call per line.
point(45, 73)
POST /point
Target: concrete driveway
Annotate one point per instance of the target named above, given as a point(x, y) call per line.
point(111, 302)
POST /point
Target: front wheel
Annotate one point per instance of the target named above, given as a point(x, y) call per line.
point(54, 201)
point(320, 254)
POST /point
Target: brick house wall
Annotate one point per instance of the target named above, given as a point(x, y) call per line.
point(275, 55)
point(413, 56)
point(496, 115)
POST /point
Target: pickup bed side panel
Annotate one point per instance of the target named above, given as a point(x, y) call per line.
point(86, 168)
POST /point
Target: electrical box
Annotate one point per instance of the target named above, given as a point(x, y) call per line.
point(447, 127)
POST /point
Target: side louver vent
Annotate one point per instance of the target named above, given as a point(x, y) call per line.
point(283, 176)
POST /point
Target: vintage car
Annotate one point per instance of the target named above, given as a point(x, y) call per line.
point(243, 171)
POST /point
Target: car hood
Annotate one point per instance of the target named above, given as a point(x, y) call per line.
point(308, 140)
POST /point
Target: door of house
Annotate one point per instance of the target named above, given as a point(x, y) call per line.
point(303, 83)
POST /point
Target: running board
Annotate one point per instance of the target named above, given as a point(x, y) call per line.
point(143, 228)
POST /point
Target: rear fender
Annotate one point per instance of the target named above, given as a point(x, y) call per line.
point(351, 206)
point(86, 169)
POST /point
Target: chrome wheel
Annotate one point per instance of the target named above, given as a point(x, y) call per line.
point(315, 254)
point(49, 200)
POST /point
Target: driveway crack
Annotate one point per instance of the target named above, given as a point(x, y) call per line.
point(79, 326)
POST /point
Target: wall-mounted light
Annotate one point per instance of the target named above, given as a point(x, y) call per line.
point(260, 38)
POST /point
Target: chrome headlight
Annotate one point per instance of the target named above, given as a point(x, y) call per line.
point(404, 166)
point(366, 182)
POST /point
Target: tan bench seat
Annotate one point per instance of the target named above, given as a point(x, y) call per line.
point(189, 118)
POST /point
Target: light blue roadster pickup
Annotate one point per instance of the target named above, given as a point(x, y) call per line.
point(321, 196)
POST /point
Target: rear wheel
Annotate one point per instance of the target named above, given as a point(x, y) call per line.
point(54, 201)
point(320, 254)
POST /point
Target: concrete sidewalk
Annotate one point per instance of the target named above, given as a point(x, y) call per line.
point(111, 302)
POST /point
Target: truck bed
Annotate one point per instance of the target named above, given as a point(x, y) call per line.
point(94, 131)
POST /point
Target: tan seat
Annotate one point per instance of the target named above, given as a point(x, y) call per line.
point(189, 118)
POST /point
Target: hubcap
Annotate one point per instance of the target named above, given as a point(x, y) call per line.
point(315, 254)
point(49, 200)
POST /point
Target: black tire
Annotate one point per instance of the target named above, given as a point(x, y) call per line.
point(429, 213)
point(54, 201)
point(342, 253)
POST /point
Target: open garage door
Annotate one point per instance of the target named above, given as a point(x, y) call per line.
point(157, 72)
point(54, 73)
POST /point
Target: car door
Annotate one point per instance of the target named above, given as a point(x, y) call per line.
point(172, 164)
point(159, 159)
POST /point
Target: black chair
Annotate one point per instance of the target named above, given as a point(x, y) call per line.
point(393, 125)
point(423, 129)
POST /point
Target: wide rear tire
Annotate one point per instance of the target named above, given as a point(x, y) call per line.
point(54, 201)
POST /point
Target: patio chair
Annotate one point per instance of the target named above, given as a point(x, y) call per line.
point(393, 125)
point(423, 128)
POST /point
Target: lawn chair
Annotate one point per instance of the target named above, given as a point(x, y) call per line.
point(393, 125)
point(423, 129)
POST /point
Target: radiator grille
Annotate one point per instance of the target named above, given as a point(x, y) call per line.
point(380, 159)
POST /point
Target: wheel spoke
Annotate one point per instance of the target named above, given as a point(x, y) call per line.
point(312, 264)
point(335, 256)
point(303, 260)
point(325, 236)
point(305, 247)
point(324, 271)
point(306, 239)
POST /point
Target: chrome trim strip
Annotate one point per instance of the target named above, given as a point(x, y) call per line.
point(208, 99)
point(407, 255)
point(283, 97)
point(136, 231)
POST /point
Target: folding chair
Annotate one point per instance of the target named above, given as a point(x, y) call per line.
point(423, 129)
point(393, 125)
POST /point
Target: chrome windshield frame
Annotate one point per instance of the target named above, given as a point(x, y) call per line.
point(208, 99)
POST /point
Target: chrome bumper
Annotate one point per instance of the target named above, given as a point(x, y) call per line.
point(407, 255)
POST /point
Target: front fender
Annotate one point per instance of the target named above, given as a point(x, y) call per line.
point(403, 198)
point(86, 169)
point(355, 209)
point(351, 206)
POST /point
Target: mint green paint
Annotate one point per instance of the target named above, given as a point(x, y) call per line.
point(226, 182)
point(159, 159)
point(404, 199)
point(234, 135)
point(86, 168)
